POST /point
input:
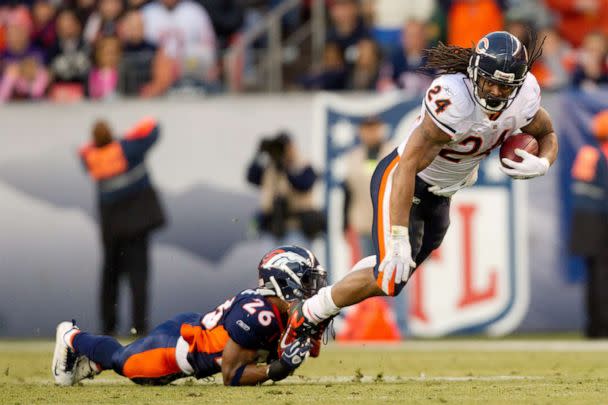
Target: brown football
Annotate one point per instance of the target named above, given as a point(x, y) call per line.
point(519, 141)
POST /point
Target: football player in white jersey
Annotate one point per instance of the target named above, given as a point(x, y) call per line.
point(481, 96)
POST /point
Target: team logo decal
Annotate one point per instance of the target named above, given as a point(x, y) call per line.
point(483, 45)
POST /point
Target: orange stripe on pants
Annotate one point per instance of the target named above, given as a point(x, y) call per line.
point(380, 216)
point(151, 364)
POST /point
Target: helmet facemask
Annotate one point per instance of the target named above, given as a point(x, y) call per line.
point(488, 102)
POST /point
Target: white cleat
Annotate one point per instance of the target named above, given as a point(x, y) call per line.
point(64, 358)
point(84, 368)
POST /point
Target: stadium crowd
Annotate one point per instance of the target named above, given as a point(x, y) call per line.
point(101, 49)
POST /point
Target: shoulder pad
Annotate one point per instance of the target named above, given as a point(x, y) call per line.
point(448, 102)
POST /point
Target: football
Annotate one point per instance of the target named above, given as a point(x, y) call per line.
point(520, 141)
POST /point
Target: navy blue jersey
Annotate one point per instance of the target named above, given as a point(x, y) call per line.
point(249, 319)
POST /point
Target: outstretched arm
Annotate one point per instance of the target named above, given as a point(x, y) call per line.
point(239, 368)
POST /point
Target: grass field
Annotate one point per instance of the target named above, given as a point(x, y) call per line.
point(447, 371)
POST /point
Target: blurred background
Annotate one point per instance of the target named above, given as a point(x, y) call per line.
point(271, 117)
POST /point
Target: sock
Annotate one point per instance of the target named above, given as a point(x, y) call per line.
point(98, 349)
point(319, 307)
point(68, 338)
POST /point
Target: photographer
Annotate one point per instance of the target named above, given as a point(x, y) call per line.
point(285, 182)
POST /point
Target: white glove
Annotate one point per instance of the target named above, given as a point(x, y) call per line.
point(531, 166)
point(398, 260)
point(451, 190)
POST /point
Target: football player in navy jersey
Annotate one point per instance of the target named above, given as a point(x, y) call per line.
point(239, 338)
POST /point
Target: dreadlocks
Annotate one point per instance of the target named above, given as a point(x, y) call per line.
point(446, 59)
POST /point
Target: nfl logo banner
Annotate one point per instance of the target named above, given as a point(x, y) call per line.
point(477, 281)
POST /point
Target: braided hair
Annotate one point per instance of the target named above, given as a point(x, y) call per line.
point(447, 59)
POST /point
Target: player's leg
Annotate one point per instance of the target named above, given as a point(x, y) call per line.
point(137, 265)
point(109, 284)
point(357, 285)
point(152, 360)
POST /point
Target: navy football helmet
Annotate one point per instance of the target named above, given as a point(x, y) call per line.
point(500, 58)
point(290, 273)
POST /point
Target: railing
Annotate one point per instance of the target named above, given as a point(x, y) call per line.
point(268, 63)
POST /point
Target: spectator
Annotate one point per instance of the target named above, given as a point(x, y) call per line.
point(469, 20)
point(103, 78)
point(366, 71)
point(332, 75)
point(577, 18)
point(347, 28)
point(129, 211)
point(104, 21)
point(403, 70)
point(23, 73)
point(533, 11)
point(389, 16)
point(360, 165)
point(227, 16)
point(287, 212)
point(184, 31)
point(592, 64)
point(589, 230)
point(43, 13)
point(136, 4)
point(83, 9)
point(522, 29)
point(69, 58)
point(553, 68)
point(145, 70)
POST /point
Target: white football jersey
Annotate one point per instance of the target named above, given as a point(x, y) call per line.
point(449, 102)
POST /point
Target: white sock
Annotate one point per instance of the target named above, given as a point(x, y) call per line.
point(68, 338)
point(321, 306)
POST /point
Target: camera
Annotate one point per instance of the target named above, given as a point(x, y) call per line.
point(275, 147)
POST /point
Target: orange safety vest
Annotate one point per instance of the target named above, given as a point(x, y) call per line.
point(106, 162)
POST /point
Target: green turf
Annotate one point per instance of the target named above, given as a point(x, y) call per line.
point(351, 375)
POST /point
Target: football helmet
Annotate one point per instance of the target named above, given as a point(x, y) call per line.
point(500, 58)
point(290, 273)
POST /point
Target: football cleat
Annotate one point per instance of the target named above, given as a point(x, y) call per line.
point(318, 338)
point(84, 368)
point(64, 358)
point(297, 327)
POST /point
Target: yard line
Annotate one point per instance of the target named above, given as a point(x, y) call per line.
point(473, 345)
point(302, 380)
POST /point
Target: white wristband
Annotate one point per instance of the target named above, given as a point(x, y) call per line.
point(398, 230)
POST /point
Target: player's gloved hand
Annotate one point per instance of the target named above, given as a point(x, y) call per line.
point(531, 166)
point(295, 353)
point(398, 260)
point(451, 190)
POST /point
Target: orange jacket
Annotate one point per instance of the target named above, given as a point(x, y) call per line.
point(468, 21)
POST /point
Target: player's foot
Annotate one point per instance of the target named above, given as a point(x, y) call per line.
point(64, 358)
point(297, 327)
point(84, 368)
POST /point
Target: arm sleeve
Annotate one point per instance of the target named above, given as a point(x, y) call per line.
point(139, 139)
point(303, 180)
